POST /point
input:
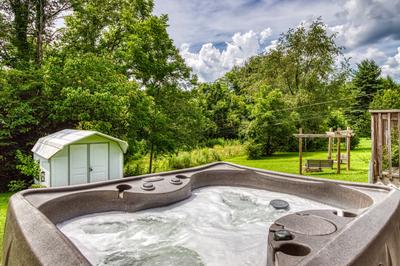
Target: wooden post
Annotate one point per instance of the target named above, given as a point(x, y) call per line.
point(348, 138)
point(373, 148)
point(398, 134)
point(330, 146)
point(300, 152)
point(380, 152)
point(338, 150)
point(389, 144)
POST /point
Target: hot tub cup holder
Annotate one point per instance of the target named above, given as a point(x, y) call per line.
point(345, 214)
point(181, 176)
point(121, 188)
point(294, 249)
point(147, 186)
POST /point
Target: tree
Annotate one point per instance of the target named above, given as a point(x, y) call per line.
point(92, 93)
point(366, 83)
point(23, 117)
point(113, 68)
point(28, 25)
point(271, 126)
point(224, 109)
point(307, 66)
point(139, 44)
point(387, 99)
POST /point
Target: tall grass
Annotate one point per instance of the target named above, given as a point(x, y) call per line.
point(184, 159)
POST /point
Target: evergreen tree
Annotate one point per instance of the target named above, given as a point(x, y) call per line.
point(366, 83)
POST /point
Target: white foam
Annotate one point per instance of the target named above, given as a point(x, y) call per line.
point(216, 226)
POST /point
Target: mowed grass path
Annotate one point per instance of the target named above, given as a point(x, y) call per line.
point(288, 162)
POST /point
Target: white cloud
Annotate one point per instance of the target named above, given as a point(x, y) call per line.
point(265, 34)
point(272, 46)
point(392, 66)
point(367, 28)
point(364, 22)
point(372, 53)
point(210, 63)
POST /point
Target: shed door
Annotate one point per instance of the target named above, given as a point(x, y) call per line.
point(98, 162)
point(78, 164)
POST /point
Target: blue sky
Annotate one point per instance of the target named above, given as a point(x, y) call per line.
point(215, 35)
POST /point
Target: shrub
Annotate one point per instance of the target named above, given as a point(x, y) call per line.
point(135, 167)
point(185, 159)
point(16, 185)
point(37, 186)
point(27, 165)
point(254, 150)
point(182, 160)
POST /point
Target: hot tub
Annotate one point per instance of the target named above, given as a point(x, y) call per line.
point(216, 214)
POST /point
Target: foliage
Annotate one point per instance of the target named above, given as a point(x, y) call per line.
point(307, 67)
point(337, 119)
point(386, 99)
point(16, 185)
point(270, 126)
point(254, 150)
point(112, 68)
point(222, 107)
point(184, 159)
point(37, 186)
point(365, 84)
point(28, 27)
point(24, 112)
point(27, 165)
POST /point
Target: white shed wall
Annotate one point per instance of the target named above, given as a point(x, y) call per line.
point(59, 168)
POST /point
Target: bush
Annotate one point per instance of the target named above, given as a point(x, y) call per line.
point(254, 150)
point(27, 165)
point(135, 167)
point(210, 143)
point(185, 159)
point(354, 141)
point(179, 161)
point(37, 186)
point(16, 185)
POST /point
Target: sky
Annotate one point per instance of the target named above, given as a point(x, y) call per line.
point(215, 35)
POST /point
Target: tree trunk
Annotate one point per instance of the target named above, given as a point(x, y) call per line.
point(20, 9)
point(40, 25)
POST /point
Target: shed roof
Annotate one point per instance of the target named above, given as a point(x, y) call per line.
point(49, 145)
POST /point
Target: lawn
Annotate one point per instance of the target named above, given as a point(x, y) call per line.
point(289, 162)
point(3, 213)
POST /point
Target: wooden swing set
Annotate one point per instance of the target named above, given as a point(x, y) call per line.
point(318, 164)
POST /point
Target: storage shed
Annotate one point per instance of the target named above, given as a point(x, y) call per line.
point(71, 157)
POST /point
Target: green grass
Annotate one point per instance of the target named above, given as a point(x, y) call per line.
point(288, 162)
point(3, 213)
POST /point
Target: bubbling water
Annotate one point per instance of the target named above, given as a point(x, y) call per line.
point(215, 226)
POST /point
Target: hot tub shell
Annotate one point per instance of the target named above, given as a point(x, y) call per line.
point(365, 230)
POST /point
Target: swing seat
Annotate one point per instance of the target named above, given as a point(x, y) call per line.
point(314, 165)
